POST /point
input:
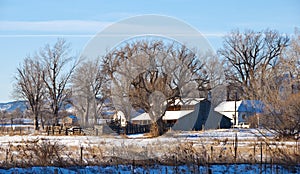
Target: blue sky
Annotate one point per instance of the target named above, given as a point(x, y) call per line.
point(25, 26)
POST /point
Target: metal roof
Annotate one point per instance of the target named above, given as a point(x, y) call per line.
point(169, 115)
point(241, 106)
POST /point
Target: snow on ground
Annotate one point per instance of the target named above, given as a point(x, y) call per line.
point(135, 136)
point(146, 148)
point(245, 137)
point(248, 135)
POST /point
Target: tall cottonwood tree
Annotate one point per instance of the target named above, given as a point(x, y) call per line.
point(250, 57)
point(87, 83)
point(151, 74)
point(58, 68)
point(30, 86)
point(265, 66)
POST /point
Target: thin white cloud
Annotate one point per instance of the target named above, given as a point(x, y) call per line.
point(53, 26)
point(91, 35)
point(70, 28)
point(216, 34)
point(45, 35)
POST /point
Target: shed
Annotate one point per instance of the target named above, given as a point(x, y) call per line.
point(70, 120)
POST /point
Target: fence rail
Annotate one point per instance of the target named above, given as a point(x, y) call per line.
point(129, 128)
point(59, 130)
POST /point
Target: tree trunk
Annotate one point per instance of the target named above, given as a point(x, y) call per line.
point(36, 120)
point(42, 122)
point(95, 111)
point(157, 128)
point(86, 118)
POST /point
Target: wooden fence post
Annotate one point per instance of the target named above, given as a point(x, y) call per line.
point(261, 156)
point(235, 147)
point(211, 153)
point(254, 153)
point(81, 154)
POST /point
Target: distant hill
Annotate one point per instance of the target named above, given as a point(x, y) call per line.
point(12, 106)
point(22, 105)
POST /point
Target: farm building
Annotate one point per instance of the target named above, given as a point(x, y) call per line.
point(189, 114)
point(243, 109)
point(70, 120)
point(169, 117)
point(119, 115)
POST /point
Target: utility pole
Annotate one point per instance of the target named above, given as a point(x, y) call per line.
point(235, 116)
point(257, 120)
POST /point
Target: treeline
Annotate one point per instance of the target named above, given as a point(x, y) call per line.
point(149, 74)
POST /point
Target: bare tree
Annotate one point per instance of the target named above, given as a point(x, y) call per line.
point(262, 65)
point(58, 68)
point(291, 62)
point(87, 82)
point(151, 74)
point(30, 86)
point(282, 115)
point(250, 56)
point(282, 96)
point(216, 77)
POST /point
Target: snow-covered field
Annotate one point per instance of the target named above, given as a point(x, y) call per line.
point(203, 136)
point(245, 137)
point(211, 146)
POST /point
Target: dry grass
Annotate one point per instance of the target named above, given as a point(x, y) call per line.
point(43, 152)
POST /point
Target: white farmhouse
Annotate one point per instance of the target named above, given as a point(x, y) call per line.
point(120, 116)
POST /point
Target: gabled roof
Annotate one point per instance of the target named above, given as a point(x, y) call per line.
point(188, 101)
point(175, 115)
point(73, 117)
point(254, 106)
point(141, 117)
point(169, 115)
point(228, 106)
